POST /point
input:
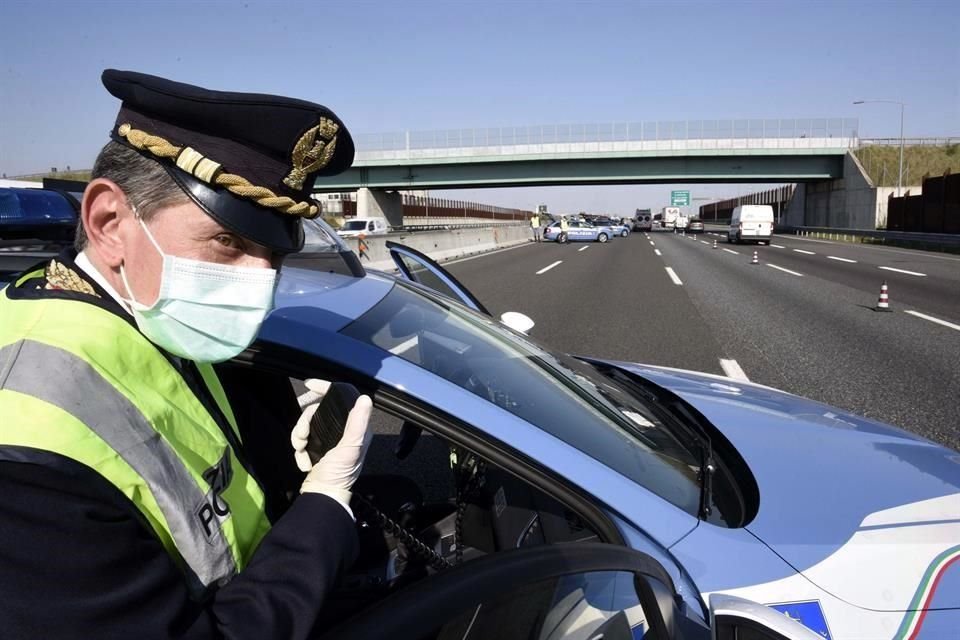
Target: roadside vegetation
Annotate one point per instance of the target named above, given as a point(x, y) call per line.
point(882, 161)
point(59, 175)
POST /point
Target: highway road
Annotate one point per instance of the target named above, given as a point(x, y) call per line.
point(802, 320)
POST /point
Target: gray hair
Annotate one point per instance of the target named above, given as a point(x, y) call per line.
point(145, 183)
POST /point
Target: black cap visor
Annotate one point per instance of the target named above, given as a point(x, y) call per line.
point(280, 232)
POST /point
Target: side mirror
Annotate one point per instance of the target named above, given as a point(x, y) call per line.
point(517, 321)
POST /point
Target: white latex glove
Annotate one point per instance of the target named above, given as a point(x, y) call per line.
point(334, 474)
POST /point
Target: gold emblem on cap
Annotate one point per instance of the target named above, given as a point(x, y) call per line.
point(311, 154)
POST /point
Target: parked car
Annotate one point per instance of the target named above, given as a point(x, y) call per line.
point(578, 231)
point(37, 213)
point(695, 226)
point(751, 223)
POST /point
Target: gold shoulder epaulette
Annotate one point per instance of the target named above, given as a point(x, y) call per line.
point(63, 278)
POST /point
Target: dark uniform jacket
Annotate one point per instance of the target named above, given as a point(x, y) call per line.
point(78, 561)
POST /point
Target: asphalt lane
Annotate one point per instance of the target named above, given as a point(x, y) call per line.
point(613, 300)
point(814, 335)
point(817, 336)
point(864, 267)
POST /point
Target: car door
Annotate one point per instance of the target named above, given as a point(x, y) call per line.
point(420, 268)
point(561, 592)
point(550, 592)
point(583, 232)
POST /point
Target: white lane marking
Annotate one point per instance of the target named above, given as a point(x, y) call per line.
point(652, 243)
point(583, 248)
point(673, 276)
point(793, 273)
point(548, 267)
point(657, 251)
point(932, 319)
point(778, 246)
point(733, 370)
point(736, 253)
point(909, 273)
point(809, 253)
point(841, 259)
point(405, 346)
point(705, 242)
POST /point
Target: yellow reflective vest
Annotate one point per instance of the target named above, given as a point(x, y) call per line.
point(82, 382)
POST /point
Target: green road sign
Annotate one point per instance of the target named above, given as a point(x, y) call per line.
point(679, 198)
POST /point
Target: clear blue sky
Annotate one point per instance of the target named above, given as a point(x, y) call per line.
point(385, 66)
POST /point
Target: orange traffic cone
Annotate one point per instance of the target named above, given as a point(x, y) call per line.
point(883, 304)
point(756, 260)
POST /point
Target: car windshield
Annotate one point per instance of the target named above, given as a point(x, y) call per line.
point(354, 225)
point(566, 397)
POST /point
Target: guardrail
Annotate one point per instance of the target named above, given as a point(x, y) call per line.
point(442, 226)
point(757, 128)
point(948, 242)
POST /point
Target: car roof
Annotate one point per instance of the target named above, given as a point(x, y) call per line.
point(329, 301)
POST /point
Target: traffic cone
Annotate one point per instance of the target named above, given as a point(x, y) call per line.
point(714, 243)
point(756, 260)
point(883, 304)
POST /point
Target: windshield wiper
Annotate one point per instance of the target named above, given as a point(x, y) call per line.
point(697, 436)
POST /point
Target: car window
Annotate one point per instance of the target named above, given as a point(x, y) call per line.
point(353, 225)
point(567, 398)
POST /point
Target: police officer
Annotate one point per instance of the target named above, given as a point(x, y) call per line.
point(130, 507)
point(564, 229)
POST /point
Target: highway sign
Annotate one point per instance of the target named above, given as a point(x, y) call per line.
point(679, 198)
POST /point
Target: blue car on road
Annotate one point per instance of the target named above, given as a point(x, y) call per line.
point(578, 231)
point(610, 497)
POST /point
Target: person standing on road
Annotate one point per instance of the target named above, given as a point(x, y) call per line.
point(535, 227)
point(564, 229)
point(131, 507)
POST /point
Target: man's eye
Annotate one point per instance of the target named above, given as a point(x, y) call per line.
point(228, 241)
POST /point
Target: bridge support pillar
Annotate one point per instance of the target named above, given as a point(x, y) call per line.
point(376, 202)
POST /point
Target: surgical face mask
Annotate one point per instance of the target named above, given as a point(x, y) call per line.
point(205, 312)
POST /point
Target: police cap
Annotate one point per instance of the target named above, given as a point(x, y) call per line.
point(246, 159)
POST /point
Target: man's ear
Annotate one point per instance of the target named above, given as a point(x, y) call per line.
point(104, 206)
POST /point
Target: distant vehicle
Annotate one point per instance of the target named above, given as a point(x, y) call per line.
point(681, 222)
point(371, 226)
point(751, 223)
point(643, 220)
point(668, 217)
point(578, 231)
point(695, 226)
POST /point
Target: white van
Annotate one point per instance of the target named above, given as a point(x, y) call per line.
point(751, 223)
point(369, 226)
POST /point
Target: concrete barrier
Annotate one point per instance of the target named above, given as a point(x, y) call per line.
point(440, 245)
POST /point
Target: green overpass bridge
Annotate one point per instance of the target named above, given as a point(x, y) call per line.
point(701, 151)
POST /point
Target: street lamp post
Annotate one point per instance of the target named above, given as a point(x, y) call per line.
point(900, 172)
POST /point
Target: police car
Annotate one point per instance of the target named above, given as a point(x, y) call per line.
point(601, 498)
point(578, 231)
